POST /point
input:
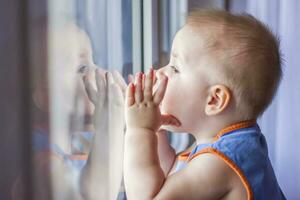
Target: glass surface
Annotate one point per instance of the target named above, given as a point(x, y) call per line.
point(78, 101)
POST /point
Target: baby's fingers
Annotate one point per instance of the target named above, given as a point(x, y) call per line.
point(148, 86)
point(138, 88)
point(115, 89)
point(120, 81)
point(130, 78)
point(101, 87)
point(130, 95)
point(89, 87)
point(115, 95)
point(160, 92)
point(154, 77)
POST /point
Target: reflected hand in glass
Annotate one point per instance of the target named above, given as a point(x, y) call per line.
point(102, 175)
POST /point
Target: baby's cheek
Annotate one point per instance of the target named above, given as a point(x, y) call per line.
point(168, 104)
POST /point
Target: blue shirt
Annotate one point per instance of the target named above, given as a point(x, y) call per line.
point(243, 147)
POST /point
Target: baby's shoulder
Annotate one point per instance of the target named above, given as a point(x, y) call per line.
point(210, 167)
point(210, 171)
point(218, 174)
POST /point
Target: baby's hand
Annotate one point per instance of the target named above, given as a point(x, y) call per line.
point(101, 176)
point(142, 105)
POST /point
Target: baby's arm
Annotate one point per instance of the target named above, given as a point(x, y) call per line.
point(143, 118)
point(206, 176)
point(166, 153)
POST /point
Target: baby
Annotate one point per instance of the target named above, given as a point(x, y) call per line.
point(223, 72)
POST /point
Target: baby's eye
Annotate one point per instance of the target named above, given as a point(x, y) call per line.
point(82, 69)
point(175, 69)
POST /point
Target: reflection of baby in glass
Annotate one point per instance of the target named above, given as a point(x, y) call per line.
point(98, 160)
point(84, 109)
point(223, 72)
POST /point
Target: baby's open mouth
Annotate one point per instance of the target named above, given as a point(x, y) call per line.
point(170, 120)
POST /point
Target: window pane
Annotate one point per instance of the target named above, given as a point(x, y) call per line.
point(78, 100)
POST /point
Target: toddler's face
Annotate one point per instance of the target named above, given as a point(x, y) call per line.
point(71, 54)
point(188, 81)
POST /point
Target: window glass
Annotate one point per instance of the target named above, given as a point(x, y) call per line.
point(78, 134)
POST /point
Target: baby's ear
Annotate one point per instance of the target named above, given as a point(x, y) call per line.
point(217, 100)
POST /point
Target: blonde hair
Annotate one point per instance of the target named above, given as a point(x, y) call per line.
point(249, 54)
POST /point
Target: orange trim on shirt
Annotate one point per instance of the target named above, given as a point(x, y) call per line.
point(243, 124)
point(72, 156)
point(183, 156)
point(78, 157)
point(231, 164)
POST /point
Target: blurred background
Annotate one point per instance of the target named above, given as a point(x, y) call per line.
point(46, 121)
